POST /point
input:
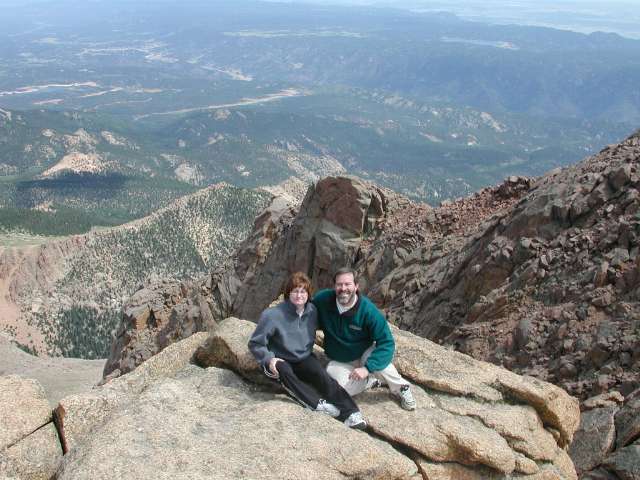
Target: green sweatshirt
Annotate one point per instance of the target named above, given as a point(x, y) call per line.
point(348, 335)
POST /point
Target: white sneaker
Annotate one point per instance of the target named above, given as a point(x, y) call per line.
point(406, 398)
point(356, 421)
point(328, 408)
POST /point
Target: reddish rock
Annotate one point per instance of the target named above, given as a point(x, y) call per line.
point(595, 438)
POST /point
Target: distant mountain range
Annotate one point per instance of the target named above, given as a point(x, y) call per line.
point(253, 93)
point(67, 172)
point(175, 56)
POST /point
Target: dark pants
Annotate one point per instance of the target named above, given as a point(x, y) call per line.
point(308, 382)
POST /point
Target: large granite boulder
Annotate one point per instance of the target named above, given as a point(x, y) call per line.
point(227, 348)
point(625, 462)
point(215, 426)
point(595, 439)
point(29, 444)
point(452, 372)
point(628, 420)
point(170, 418)
point(78, 415)
point(35, 457)
point(23, 408)
point(470, 413)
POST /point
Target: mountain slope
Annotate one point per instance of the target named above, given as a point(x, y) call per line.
point(64, 297)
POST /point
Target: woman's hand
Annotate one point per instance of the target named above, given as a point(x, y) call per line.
point(272, 365)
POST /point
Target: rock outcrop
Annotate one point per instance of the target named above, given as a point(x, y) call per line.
point(154, 317)
point(215, 421)
point(547, 286)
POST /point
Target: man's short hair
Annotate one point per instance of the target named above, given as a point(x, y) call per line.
point(343, 271)
point(295, 280)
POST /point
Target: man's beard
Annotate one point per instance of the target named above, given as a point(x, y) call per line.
point(345, 298)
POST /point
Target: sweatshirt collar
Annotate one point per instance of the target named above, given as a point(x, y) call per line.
point(291, 308)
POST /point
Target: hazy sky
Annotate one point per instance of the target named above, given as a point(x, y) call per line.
point(586, 16)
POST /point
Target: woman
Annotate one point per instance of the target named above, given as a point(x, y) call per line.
point(283, 345)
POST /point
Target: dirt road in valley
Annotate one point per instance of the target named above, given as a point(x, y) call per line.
point(289, 92)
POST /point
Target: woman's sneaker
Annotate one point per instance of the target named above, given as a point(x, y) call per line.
point(406, 398)
point(328, 408)
point(356, 421)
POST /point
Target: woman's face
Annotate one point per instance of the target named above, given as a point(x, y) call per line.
point(299, 296)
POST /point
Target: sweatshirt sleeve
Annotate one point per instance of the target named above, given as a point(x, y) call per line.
point(382, 355)
point(316, 301)
point(259, 341)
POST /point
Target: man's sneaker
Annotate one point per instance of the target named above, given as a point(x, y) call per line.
point(356, 421)
point(328, 408)
point(406, 398)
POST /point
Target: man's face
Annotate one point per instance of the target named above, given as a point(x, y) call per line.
point(345, 288)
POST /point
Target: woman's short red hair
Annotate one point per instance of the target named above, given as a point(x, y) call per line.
point(298, 280)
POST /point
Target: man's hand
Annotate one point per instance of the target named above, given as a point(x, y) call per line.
point(272, 365)
point(359, 373)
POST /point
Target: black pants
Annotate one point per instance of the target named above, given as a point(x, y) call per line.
point(307, 382)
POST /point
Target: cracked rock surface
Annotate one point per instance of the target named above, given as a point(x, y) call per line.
point(208, 423)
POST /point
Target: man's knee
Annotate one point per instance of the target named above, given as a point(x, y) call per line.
point(339, 372)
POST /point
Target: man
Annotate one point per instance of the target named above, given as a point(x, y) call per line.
point(357, 339)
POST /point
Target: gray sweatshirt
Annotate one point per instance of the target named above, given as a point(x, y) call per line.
point(282, 333)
